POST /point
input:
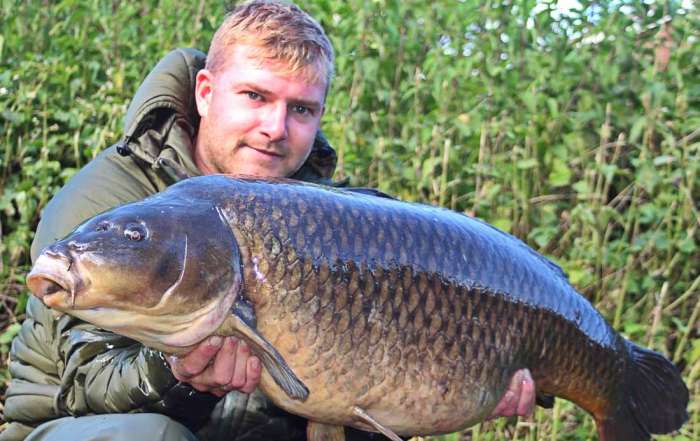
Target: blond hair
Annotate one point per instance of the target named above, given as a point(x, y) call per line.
point(281, 32)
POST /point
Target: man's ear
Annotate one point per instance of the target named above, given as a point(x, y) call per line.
point(203, 90)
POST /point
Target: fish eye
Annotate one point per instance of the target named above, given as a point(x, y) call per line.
point(102, 226)
point(135, 232)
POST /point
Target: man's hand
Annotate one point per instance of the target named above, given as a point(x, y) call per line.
point(218, 365)
point(519, 399)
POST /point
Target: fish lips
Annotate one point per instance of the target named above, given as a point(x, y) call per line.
point(52, 281)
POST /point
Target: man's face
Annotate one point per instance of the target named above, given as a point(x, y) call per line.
point(255, 120)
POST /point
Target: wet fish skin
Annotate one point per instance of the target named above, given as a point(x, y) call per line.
point(350, 294)
point(417, 315)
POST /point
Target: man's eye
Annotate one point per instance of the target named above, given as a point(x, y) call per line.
point(302, 110)
point(254, 96)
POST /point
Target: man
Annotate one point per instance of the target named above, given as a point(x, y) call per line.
point(256, 110)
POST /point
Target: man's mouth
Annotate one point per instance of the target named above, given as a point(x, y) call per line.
point(264, 151)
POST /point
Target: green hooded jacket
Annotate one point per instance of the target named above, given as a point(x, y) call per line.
point(61, 366)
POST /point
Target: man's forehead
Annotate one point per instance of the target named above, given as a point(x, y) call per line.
point(244, 55)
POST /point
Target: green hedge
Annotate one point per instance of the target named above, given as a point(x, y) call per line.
point(578, 131)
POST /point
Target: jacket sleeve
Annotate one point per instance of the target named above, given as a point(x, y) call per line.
point(62, 366)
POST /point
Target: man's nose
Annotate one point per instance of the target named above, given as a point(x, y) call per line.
point(274, 122)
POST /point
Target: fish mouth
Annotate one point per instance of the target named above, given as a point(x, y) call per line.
point(51, 281)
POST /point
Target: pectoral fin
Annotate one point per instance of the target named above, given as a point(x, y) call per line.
point(361, 414)
point(324, 432)
point(270, 358)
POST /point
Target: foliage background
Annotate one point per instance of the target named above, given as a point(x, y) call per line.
point(578, 131)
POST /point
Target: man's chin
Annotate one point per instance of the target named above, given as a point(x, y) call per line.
point(257, 172)
point(248, 161)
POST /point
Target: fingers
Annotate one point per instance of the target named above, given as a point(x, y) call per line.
point(246, 371)
point(194, 363)
point(238, 378)
point(218, 367)
point(526, 404)
point(253, 372)
point(519, 399)
point(510, 400)
point(224, 365)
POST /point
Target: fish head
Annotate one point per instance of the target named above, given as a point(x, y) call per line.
point(165, 272)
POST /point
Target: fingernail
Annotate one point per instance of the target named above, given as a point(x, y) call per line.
point(519, 377)
point(255, 364)
point(215, 341)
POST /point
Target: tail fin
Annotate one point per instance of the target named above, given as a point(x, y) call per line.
point(654, 399)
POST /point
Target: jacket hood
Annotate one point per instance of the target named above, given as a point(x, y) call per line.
point(162, 120)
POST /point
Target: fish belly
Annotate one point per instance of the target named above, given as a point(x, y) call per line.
point(434, 361)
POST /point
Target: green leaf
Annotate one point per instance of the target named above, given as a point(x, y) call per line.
point(526, 164)
point(637, 128)
point(687, 245)
point(560, 174)
point(450, 437)
point(581, 187)
point(503, 224)
point(543, 235)
point(664, 159)
point(632, 328)
point(13, 117)
point(608, 170)
point(530, 100)
point(576, 276)
point(694, 354)
point(648, 213)
point(429, 164)
point(648, 177)
point(10, 332)
point(662, 242)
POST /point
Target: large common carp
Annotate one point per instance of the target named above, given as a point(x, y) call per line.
point(365, 311)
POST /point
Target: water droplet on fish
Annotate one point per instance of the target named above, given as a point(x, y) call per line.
point(258, 275)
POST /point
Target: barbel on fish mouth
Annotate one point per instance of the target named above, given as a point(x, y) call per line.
point(366, 311)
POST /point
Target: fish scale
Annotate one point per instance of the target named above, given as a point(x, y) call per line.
point(368, 312)
point(411, 290)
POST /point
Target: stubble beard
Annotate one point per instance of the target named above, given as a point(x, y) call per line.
point(210, 161)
